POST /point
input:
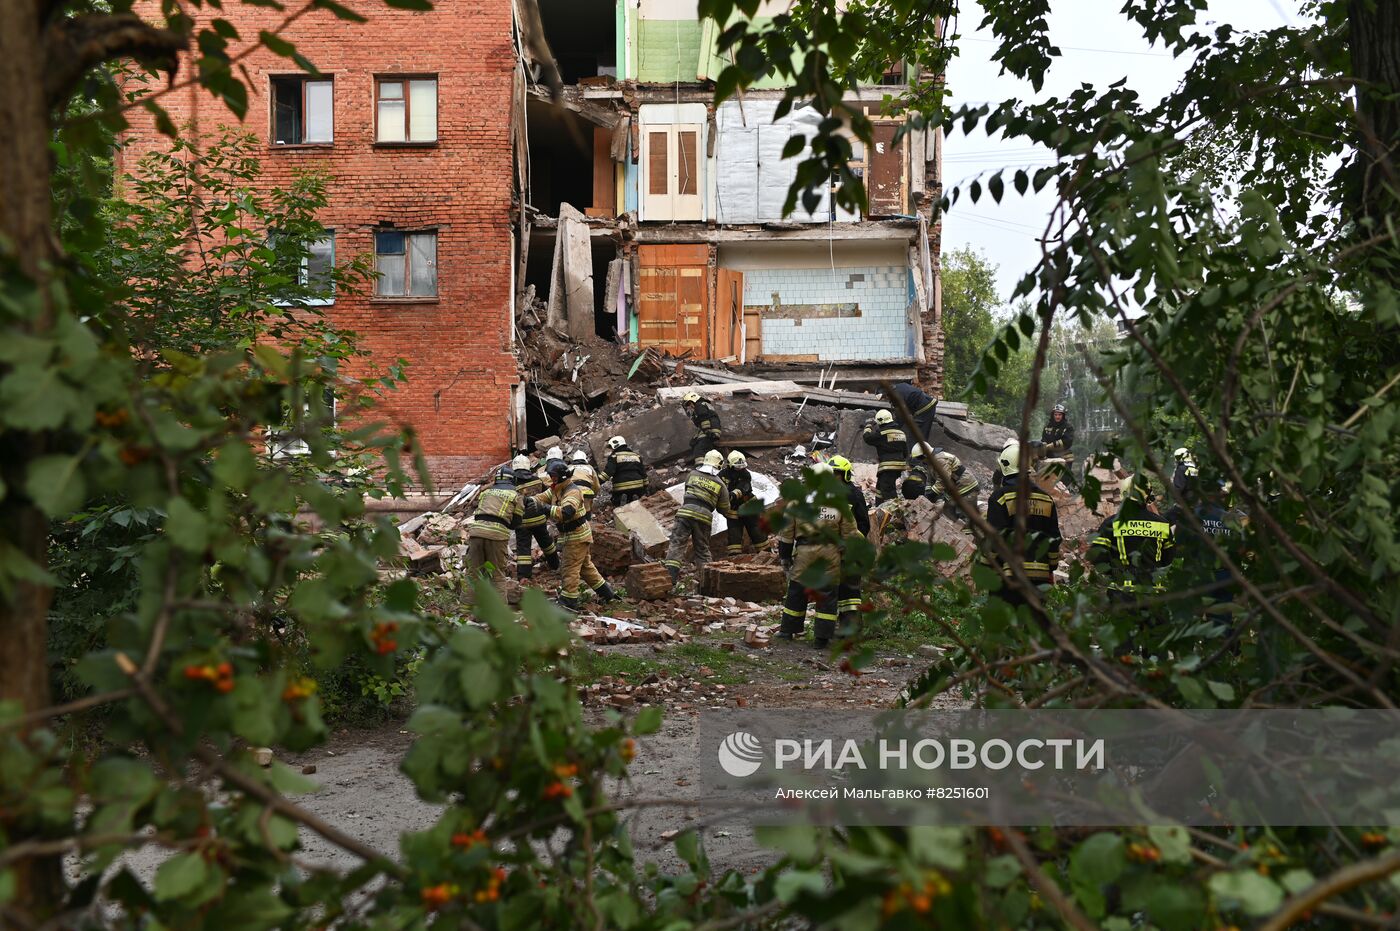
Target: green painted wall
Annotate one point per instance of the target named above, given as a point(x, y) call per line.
point(668, 50)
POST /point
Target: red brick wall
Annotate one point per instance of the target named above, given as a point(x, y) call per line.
point(458, 347)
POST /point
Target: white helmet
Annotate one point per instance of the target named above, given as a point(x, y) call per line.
point(883, 416)
point(737, 460)
point(920, 450)
point(690, 398)
point(1182, 454)
point(616, 442)
point(713, 459)
point(822, 468)
point(1010, 459)
point(554, 453)
point(520, 462)
point(579, 456)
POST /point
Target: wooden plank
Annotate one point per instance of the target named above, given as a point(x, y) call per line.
point(763, 389)
point(886, 159)
point(806, 357)
point(767, 442)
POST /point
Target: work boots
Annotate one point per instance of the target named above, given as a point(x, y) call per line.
point(569, 603)
point(523, 572)
point(675, 573)
point(605, 593)
point(552, 561)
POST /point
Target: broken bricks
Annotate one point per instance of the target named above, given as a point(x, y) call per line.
point(744, 579)
point(756, 638)
point(648, 581)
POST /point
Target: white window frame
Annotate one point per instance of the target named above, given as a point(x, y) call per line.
point(280, 448)
point(305, 276)
point(407, 82)
point(673, 205)
point(408, 267)
point(306, 83)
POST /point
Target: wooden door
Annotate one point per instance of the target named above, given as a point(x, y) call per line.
point(673, 302)
point(672, 171)
point(753, 334)
point(885, 177)
point(729, 315)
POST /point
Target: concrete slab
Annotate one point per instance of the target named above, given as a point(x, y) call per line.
point(762, 389)
point(659, 435)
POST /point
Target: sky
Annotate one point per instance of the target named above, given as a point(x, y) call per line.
point(1099, 46)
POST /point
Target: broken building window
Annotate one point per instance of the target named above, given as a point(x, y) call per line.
point(302, 110)
point(317, 266)
point(406, 109)
point(406, 262)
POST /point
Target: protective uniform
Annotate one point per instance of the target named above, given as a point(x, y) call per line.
point(1132, 545)
point(1225, 526)
point(1040, 554)
point(923, 407)
point(1058, 435)
point(569, 511)
point(964, 481)
point(706, 420)
point(739, 481)
point(1186, 478)
point(890, 447)
point(534, 527)
point(919, 477)
point(626, 471)
point(499, 510)
point(705, 493)
point(849, 597)
point(587, 478)
point(801, 545)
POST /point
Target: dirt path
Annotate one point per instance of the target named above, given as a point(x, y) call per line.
point(364, 793)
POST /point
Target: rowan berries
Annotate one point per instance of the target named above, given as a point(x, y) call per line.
point(299, 689)
point(1374, 839)
point(566, 770)
point(382, 638)
point(468, 841)
point(557, 790)
point(1144, 853)
point(220, 676)
point(111, 420)
point(628, 750)
point(437, 896)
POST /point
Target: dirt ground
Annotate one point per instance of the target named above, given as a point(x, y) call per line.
point(363, 791)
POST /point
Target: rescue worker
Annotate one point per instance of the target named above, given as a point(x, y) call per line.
point(499, 510)
point(923, 408)
point(1040, 553)
point(802, 545)
point(534, 527)
point(1058, 435)
point(626, 471)
point(890, 447)
point(567, 508)
point(552, 455)
point(585, 476)
point(964, 481)
point(1186, 478)
point(920, 477)
point(849, 597)
point(889, 520)
point(1224, 524)
point(1134, 544)
point(739, 482)
point(704, 494)
point(703, 415)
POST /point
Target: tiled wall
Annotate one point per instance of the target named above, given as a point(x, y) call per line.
point(881, 331)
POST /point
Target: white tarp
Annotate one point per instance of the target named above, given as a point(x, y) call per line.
point(764, 488)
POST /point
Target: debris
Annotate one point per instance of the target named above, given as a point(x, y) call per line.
point(643, 523)
point(752, 578)
point(759, 389)
point(263, 756)
point(440, 530)
point(309, 769)
point(648, 581)
point(612, 551)
point(754, 638)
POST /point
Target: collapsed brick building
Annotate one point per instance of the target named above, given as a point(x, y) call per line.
point(630, 209)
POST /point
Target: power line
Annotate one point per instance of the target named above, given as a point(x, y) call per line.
point(1081, 48)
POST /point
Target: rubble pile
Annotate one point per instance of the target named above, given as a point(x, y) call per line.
point(755, 578)
point(598, 629)
point(654, 688)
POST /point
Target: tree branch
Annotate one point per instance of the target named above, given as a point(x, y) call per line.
point(72, 46)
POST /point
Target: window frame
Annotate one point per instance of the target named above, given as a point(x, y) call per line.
point(304, 275)
point(302, 79)
point(405, 79)
point(407, 298)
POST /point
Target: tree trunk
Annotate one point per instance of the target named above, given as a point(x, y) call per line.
point(1374, 40)
point(27, 238)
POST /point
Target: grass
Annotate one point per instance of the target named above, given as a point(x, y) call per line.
point(906, 631)
point(687, 659)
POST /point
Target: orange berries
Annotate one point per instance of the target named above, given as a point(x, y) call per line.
point(850, 670)
point(382, 637)
point(492, 892)
point(557, 790)
point(997, 838)
point(1127, 659)
point(566, 770)
point(437, 896)
point(920, 900)
point(133, 455)
point(110, 420)
point(468, 841)
point(299, 689)
point(1144, 853)
point(220, 676)
point(1374, 839)
point(628, 750)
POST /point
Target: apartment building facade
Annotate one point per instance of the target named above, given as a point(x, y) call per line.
point(413, 116)
point(632, 205)
point(682, 200)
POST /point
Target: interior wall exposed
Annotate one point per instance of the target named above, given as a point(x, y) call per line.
point(561, 158)
point(582, 34)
